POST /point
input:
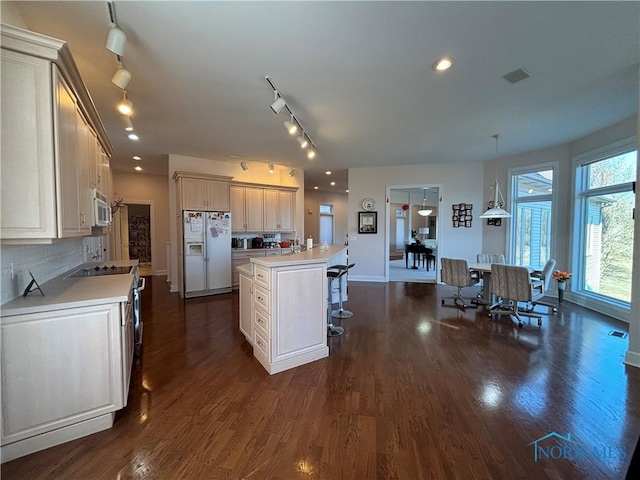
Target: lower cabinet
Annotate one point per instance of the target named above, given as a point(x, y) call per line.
point(246, 306)
point(240, 257)
point(64, 374)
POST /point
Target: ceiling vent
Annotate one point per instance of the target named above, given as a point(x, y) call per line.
point(516, 76)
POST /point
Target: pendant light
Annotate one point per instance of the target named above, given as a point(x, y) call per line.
point(424, 211)
point(496, 200)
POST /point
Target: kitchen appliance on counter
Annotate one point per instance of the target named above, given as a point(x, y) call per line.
point(257, 242)
point(270, 241)
point(207, 253)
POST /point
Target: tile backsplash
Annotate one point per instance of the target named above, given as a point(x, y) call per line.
point(44, 261)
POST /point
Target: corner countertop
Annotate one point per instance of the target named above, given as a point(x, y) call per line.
point(245, 268)
point(314, 255)
point(62, 293)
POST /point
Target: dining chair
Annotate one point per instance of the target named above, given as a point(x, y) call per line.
point(514, 284)
point(490, 258)
point(545, 276)
point(455, 271)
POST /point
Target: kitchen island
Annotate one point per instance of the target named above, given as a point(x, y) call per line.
point(283, 306)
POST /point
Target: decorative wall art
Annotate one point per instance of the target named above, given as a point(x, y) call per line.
point(462, 215)
point(496, 222)
point(368, 222)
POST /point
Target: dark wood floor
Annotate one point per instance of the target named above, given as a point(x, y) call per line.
point(412, 390)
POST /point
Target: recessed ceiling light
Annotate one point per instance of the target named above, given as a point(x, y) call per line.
point(315, 188)
point(133, 136)
point(328, 172)
point(136, 157)
point(138, 168)
point(333, 183)
point(443, 64)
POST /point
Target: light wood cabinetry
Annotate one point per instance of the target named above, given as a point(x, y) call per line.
point(257, 208)
point(246, 306)
point(64, 374)
point(247, 209)
point(202, 192)
point(47, 121)
point(240, 257)
point(278, 211)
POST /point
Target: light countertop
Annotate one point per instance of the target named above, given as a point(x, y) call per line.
point(314, 255)
point(61, 293)
point(245, 268)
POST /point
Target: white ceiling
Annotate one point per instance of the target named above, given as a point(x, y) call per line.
point(357, 75)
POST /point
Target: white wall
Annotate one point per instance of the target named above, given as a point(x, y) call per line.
point(312, 201)
point(457, 183)
point(257, 173)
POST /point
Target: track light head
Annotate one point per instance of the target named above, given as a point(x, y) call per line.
point(116, 41)
point(278, 104)
point(271, 168)
point(125, 107)
point(293, 173)
point(128, 124)
point(244, 165)
point(291, 127)
point(311, 153)
point(121, 78)
point(302, 141)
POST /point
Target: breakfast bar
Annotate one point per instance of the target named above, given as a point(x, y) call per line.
point(283, 306)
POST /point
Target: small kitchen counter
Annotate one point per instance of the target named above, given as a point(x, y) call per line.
point(61, 293)
point(246, 268)
point(314, 255)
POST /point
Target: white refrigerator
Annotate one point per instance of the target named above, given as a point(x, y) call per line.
point(207, 253)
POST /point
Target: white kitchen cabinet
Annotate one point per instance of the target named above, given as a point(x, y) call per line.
point(246, 306)
point(64, 374)
point(45, 159)
point(239, 257)
point(278, 211)
point(203, 192)
point(247, 209)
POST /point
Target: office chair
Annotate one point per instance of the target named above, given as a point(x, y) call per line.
point(490, 258)
point(514, 284)
point(544, 280)
point(455, 271)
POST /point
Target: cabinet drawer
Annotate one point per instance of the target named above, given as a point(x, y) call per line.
point(262, 298)
point(245, 254)
point(262, 322)
point(262, 277)
point(261, 343)
point(272, 253)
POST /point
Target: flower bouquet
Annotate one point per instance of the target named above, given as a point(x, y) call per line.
point(561, 278)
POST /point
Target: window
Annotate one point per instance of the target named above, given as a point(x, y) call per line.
point(326, 223)
point(604, 224)
point(531, 226)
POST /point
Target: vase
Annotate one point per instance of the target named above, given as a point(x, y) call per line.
point(561, 287)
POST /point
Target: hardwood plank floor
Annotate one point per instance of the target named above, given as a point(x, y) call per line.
point(412, 390)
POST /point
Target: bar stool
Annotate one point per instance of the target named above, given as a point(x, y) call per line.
point(332, 330)
point(342, 271)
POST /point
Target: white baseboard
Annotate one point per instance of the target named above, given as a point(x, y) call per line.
point(159, 273)
point(363, 278)
point(632, 359)
point(174, 288)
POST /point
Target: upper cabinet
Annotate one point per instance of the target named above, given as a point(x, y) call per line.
point(202, 192)
point(48, 125)
point(260, 208)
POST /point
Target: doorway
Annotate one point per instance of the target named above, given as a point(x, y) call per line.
point(407, 226)
point(132, 234)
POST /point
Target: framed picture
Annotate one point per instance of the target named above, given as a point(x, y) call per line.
point(496, 222)
point(368, 222)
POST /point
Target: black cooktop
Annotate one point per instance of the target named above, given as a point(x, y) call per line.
point(100, 271)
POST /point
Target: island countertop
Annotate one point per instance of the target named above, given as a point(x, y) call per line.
point(314, 255)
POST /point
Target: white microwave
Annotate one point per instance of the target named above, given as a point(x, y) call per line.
point(101, 209)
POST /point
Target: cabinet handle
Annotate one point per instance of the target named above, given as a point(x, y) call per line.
point(260, 321)
point(260, 343)
point(260, 298)
point(82, 218)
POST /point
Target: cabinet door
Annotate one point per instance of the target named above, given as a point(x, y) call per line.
point(270, 210)
point(254, 208)
point(86, 148)
point(194, 193)
point(27, 166)
point(67, 141)
point(238, 219)
point(217, 196)
point(285, 211)
point(246, 307)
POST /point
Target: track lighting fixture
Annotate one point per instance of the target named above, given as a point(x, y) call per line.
point(125, 107)
point(290, 125)
point(244, 165)
point(122, 77)
point(278, 103)
point(116, 41)
point(271, 169)
point(302, 141)
point(128, 124)
point(293, 124)
point(311, 153)
point(293, 173)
